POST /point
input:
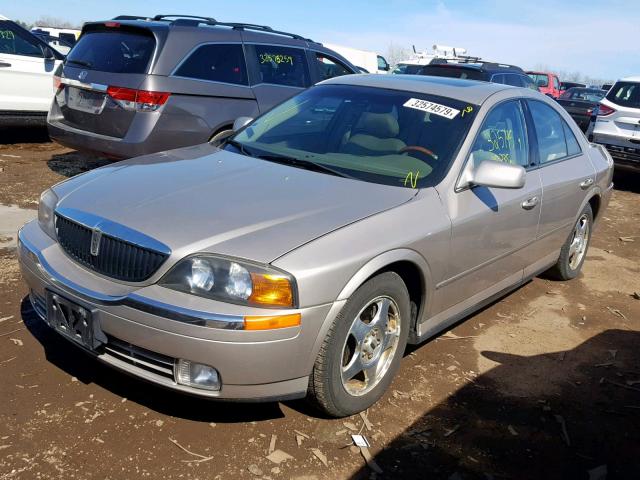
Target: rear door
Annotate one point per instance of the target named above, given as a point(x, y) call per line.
point(26, 77)
point(103, 60)
point(566, 173)
point(277, 72)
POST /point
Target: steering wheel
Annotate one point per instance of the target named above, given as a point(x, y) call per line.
point(420, 149)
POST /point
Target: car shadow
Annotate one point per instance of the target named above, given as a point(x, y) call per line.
point(27, 134)
point(557, 415)
point(88, 370)
point(74, 163)
point(627, 181)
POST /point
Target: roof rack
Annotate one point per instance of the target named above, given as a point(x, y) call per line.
point(195, 20)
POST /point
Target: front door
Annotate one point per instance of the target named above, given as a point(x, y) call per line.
point(493, 228)
point(25, 75)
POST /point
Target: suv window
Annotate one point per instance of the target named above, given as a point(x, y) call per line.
point(513, 79)
point(113, 51)
point(216, 63)
point(503, 136)
point(453, 72)
point(625, 94)
point(329, 67)
point(408, 69)
point(282, 65)
point(14, 41)
point(555, 139)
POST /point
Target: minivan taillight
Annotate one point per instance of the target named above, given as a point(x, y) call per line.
point(138, 100)
point(604, 110)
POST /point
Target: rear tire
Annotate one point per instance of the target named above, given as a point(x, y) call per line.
point(574, 250)
point(363, 348)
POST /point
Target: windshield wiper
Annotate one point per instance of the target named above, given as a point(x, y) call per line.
point(82, 63)
point(239, 146)
point(301, 163)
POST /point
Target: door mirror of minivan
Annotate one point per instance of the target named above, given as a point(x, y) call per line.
point(241, 122)
point(498, 175)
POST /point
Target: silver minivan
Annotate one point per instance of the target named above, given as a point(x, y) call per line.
point(136, 85)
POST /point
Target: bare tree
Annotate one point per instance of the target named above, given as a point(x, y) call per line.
point(396, 53)
point(48, 21)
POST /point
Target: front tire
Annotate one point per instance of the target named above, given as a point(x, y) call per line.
point(363, 348)
point(574, 250)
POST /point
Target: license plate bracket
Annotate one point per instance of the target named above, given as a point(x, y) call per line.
point(72, 321)
point(85, 100)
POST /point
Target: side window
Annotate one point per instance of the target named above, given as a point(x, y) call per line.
point(329, 68)
point(382, 64)
point(14, 41)
point(216, 63)
point(573, 147)
point(512, 79)
point(556, 83)
point(555, 139)
point(282, 66)
point(503, 136)
point(499, 78)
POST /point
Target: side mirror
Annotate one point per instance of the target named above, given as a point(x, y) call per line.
point(48, 53)
point(498, 175)
point(241, 122)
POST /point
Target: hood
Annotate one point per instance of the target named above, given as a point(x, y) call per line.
point(201, 199)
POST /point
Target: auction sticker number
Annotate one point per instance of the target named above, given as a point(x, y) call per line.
point(430, 107)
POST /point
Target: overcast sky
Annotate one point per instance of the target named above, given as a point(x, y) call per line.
point(597, 38)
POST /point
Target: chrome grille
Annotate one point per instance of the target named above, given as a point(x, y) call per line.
point(152, 362)
point(116, 258)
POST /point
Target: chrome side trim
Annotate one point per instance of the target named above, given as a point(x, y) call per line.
point(132, 300)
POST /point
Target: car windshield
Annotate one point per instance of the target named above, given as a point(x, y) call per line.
point(406, 69)
point(453, 72)
point(113, 51)
point(625, 94)
point(583, 94)
point(540, 79)
point(398, 138)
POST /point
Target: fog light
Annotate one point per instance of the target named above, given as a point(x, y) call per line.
point(197, 375)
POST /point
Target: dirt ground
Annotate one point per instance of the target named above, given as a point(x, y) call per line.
point(543, 384)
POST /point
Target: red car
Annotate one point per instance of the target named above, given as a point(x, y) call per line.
point(548, 83)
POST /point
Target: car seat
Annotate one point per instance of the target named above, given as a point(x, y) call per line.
point(375, 134)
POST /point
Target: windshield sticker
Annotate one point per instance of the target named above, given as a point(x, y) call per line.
point(430, 107)
point(412, 180)
point(277, 59)
point(468, 109)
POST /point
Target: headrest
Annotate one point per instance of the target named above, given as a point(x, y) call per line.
point(381, 125)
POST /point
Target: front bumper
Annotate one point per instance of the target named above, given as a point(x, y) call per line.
point(149, 328)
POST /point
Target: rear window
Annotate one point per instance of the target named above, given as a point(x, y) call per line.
point(453, 72)
point(216, 63)
point(625, 94)
point(114, 51)
point(406, 69)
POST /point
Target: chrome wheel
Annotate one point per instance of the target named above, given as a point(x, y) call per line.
point(370, 346)
point(579, 242)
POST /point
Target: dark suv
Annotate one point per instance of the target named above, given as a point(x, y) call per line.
point(476, 69)
point(134, 85)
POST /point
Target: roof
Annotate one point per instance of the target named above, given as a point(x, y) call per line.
point(635, 78)
point(2, 17)
point(470, 91)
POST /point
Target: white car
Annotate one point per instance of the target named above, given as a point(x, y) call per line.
point(27, 66)
point(617, 124)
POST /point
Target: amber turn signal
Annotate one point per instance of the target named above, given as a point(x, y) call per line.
point(271, 290)
point(272, 322)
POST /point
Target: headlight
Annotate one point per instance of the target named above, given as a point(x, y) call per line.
point(46, 208)
point(232, 281)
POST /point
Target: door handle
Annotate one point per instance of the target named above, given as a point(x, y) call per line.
point(530, 203)
point(586, 184)
point(4, 64)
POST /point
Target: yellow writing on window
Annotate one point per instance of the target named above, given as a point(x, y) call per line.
point(7, 35)
point(500, 139)
point(277, 59)
point(412, 179)
point(468, 109)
